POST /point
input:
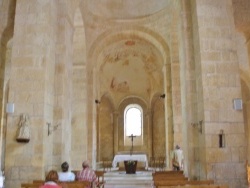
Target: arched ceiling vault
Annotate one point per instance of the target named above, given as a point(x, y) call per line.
point(129, 64)
point(123, 10)
point(130, 67)
point(128, 59)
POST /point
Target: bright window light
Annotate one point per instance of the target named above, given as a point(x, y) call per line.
point(133, 121)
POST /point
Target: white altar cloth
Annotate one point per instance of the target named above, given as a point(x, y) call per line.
point(126, 157)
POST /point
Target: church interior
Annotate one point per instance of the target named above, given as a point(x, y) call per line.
point(71, 71)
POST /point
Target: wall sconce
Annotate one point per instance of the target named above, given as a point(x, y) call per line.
point(163, 96)
point(198, 126)
point(222, 143)
point(52, 128)
point(10, 107)
point(237, 104)
point(97, 101)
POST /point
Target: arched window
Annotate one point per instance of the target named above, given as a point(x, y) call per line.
point(133, 121)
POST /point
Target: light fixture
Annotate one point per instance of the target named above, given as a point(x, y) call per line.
point(162, 96)
point(97, 101)
point(237, 104)
point(52, 128)
point(10, 107)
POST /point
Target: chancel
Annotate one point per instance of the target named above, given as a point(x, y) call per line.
point(121, 157)
point(177, 70)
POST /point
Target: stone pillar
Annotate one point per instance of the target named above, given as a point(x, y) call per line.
point(220, 85)
point(115, 124)
point(63, 87)
point(188, 85)
point(31, 89)
point(168, 112)
point(149, 118)
point(7, 15)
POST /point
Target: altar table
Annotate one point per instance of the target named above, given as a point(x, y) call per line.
point(126, 157)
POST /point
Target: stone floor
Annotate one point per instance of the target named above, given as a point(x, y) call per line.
point(119, 179)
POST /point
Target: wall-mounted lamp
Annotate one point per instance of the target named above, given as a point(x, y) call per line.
point(10, 107)
point(52, 128)
point(198, 126)
point(97, 101)
point(222, 142)
point(163, 96)
point(237, 104)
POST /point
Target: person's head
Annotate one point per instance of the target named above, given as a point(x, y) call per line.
point(52, 176)
point(65, 166)
point(85, 164)
point(177, 147)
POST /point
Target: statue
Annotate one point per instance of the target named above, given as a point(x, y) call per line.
point(23, 132)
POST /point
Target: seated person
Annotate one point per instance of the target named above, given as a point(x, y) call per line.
point(51, 180)
point(66, 175)
point(87, 174)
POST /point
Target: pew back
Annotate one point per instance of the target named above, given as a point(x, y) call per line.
point(73, 184)
point(31, 185)
point(196, 186)
point(172, 182)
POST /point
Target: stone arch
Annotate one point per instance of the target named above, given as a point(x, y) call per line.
point(245, 88)
point(145, 147)
point(110, 36)
point(105, 128)
point(157, 42)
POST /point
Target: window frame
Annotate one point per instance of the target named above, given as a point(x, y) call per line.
point(138, 140)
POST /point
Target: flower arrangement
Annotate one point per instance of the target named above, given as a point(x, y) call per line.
point(130, 162)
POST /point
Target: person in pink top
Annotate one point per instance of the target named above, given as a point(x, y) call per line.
point(51, 180)
point(86, 174)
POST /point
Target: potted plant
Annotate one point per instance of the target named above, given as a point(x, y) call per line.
point(130, 166)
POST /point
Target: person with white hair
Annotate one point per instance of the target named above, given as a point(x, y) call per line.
point(178, 158)
point(86, 174)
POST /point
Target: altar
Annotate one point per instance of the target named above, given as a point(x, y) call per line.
point(126, 157)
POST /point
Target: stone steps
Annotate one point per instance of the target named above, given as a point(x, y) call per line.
point(119, 179)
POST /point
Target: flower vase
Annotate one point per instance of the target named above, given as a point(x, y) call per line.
point(130, 167)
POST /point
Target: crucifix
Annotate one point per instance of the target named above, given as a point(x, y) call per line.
point(132, 140)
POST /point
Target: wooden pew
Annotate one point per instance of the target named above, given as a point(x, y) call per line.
point(38, 181)
point(199, 182)
point(196, 186)
point(168, 175)
point(169, 172)
point(100, 178)
point(248, 173)
point(73, 184)
point(30, 185)
point(159, 178)
point(182, 182)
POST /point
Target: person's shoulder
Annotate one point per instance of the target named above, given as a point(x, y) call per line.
point(72, 175)
point(50, 186)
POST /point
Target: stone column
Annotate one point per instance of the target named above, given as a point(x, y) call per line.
point(188, 83)
point(220, 84)
point(31, 89)
point(115, 124)
point(149, 115)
